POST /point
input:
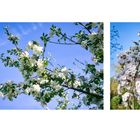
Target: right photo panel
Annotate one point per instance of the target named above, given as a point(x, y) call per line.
point(125, 65)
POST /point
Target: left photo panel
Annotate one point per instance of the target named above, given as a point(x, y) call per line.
point(51, 65)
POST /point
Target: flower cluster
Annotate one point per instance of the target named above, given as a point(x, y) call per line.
point(35, 88)
point(31, 64)
point(62, 73)
point(9, 90)
point(77, 83)
point(92, 35)
point(37, 49)
point(126, 97)
point(24, 54)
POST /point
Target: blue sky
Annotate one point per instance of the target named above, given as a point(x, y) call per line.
point(64, 55)
point(128, 33)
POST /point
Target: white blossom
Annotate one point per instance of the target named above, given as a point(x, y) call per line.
point(30, 44)
point(37, 49)
point(61, 75)
point(24, 54)
point(118, 89)
point(44, 81)
point(123, 77)
point(36, 88)
point(40, 64)
point(64, 69)
point(55, 85)
point(76, 84)
point(137, 85)
point(122, 83)
point(126, 96)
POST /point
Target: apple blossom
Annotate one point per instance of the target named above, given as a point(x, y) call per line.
point(40, 64)
point(61, 75)
point(36, 88)
point(24, 54)
point(37, 49)
point(44, 81)
point(126, 96)
point(64, 70)
point(76, 84)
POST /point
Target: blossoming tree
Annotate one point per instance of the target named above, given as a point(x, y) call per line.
point(128, 96)
point(70, 90)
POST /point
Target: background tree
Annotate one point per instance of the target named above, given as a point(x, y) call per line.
point(114, 40)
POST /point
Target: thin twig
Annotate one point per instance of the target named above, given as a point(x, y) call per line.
point(69, 39)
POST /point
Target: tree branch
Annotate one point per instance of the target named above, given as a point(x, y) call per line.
point(85, 27)
point(80, 90)
point(61, 43)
